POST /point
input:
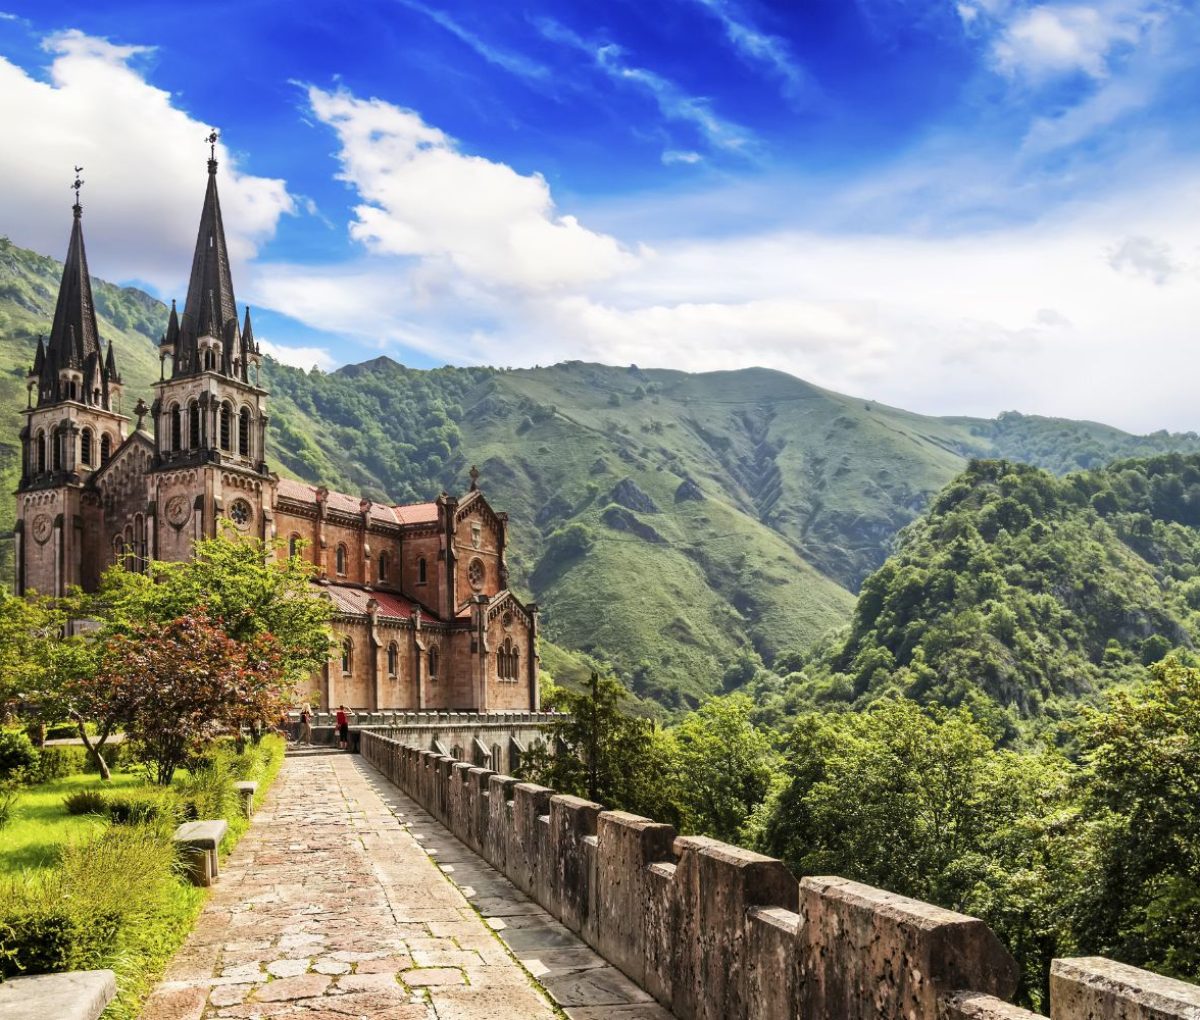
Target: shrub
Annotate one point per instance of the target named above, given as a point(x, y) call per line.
point(69, 918)
point(207, 791)
point(143, 807)
point(56, 762)
point(9, 791)
point(18, 756)
point(53, 763)
point(85, 802)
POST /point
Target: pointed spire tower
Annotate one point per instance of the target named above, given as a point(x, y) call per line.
point(72, 429)
point(209, 412)
point(70, 366)
point(206, 338)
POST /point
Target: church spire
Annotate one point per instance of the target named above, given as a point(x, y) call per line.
point(210, 310)
point(73, 348)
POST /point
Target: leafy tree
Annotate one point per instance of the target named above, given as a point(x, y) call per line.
point(1140, 901)
point(177, 685)
point(724, 767)
point(918, 802)
point(243, 584)
point(598, 752)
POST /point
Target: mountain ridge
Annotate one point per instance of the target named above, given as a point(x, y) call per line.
point(768, 499)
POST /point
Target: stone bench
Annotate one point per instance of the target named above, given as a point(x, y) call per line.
point(75, 995)
point(246, 791)
point(198, 843)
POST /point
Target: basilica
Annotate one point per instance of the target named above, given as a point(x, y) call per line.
point(423, 615)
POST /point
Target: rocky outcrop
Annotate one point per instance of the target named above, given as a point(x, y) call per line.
point(628, 493)
point(620, 519)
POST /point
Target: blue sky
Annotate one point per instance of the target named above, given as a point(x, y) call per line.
point(957, 207)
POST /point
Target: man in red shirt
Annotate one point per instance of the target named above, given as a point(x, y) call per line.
point(343, 728)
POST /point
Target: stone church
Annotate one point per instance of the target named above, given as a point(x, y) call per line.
point(424, 618)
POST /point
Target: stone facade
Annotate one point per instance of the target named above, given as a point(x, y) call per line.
point(423, 619)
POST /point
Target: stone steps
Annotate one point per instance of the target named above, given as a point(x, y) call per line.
point(314, 751)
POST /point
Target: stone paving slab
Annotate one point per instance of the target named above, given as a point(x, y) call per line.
point(329, 909)
point(581, 983)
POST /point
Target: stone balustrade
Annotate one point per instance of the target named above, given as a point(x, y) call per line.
point(495, 739)
point(715, 932)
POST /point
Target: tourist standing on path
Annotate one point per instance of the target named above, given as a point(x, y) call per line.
point(343, 728)
point(305, 726)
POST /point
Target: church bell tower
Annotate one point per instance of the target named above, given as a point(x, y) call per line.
point(73, 426)
point(209, 412)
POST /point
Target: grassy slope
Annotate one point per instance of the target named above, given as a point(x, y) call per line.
point(40, 823)
point(802, 490)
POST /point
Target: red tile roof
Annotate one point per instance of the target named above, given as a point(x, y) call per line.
point(405, 513)
point(347, 599)
point(417, 513)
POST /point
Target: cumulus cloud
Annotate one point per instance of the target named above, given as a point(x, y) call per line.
point(298, 357)
point(424, 197)
point(1144, 256)
point(143, 159)
point(969, 324)
point(1052, 39)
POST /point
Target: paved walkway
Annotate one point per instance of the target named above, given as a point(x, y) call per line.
point(331, 908)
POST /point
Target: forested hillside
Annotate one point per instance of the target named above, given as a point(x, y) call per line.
point(1020, 593)
point(666, 521)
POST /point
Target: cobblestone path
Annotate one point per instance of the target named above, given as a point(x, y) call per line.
point(330, 909)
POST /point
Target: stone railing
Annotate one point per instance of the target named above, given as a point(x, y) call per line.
point(495, 739)
point(715, 932)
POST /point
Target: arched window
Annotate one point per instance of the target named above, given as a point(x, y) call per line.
point(86, 439)
point(210, 360)
point(433, 663)
point(244, 432)
point(194, 425)
point(383, 566)
point(507, 660)
point(41, 452)
point(58, 450)
point(421, 570)
point(339, 559)
point(225, 424)
point(139, 543)
point(347, 655)
point(127, 545)
point(293, 545)
point(71, 390)
point(105, 448)
point(393, 659)
point(176, 428)
point(118, 549)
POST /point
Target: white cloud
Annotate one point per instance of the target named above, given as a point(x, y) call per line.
point(1035, 317)
point(686, 156)
point(143, 159)
point(424, 197)
point(1052, 39)
point(1145, 256)
point(673, 102)
point(514, 63)
point(758, 47)
point(298, 357)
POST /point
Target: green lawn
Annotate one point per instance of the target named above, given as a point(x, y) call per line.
point(40, 823)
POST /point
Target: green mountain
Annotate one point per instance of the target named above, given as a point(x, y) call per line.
point(1020, 593)
point(667, 522)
